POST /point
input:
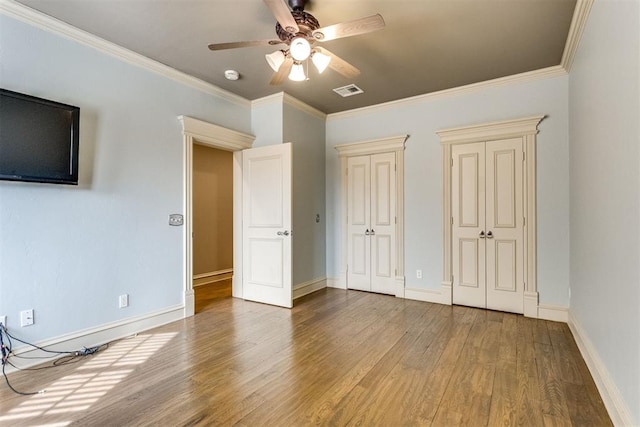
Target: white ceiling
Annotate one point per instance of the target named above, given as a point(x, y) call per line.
point(426, 46)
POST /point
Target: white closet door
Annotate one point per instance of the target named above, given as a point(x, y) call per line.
point(382, 231)
point(358, 217)
point(504, 225)
point(468, 234)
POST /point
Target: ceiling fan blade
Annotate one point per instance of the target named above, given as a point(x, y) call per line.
point(282, 73)
point(340, 65)
point(351, 28)
point(233, 45)
point(283, 15)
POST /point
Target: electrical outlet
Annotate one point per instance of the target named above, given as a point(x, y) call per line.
point(3, 320)
point(418, 274)
point(26, 317)
point(123, 301)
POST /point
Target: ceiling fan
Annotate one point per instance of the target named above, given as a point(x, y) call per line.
point(300, 31)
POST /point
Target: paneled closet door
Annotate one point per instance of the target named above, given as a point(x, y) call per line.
point(468, 233)
point(358, 217)
point(383, 214)
point(505, 225)
point(371, 221)
point(488, 225)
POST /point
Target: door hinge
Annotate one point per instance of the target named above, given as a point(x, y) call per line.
point(523, 156)
point(395, 220)
point(395, 167)
point(452, 162)
point(524, 221)
point(452, 279)
point(451, 220)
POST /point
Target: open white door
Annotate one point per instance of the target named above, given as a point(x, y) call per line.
point(266, 227)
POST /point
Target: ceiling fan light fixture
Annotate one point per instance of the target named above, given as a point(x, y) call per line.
point(300, 48)
point(275, 59)
point(320, 60)
point(297, 73)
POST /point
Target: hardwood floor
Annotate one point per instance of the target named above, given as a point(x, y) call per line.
point(337, 358)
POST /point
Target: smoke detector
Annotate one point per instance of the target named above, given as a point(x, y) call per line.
point(231, 75)
point(348, 90)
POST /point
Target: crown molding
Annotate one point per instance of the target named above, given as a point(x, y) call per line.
point(285, 98)
point(578, 23)
point(276, 98)
point(48, 23)
point(296, 103)
point(528, 76)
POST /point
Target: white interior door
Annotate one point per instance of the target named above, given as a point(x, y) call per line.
point(358, 218)
point(266, 228)
point(504, 226)
point(383, 227)
point(468, 211)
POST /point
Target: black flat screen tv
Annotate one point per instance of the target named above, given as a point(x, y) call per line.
point(38, 139)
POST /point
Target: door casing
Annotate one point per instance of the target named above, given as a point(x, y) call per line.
point(204, 133)
point(527, 129)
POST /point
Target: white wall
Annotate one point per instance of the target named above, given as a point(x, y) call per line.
point(307, 132)
point(423, 173)
point(67, 251)
point(605, 193)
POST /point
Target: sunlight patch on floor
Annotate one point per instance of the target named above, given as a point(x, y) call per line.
point(79, 391)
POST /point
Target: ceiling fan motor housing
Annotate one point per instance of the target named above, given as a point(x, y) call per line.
point(307, 24)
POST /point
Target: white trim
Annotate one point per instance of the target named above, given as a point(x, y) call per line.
point(525, 128)
point(556, 313)
point(578, 23)
point(373, 146)
point(276, 98)
point(285, 98)
point(48, 23)
point(436, 296)
point(212, 277)
point(336, 282)
point(308, 287)
point(611, 396)
point(397, 145)
point(544, 73)
point(196, 131)
point(212, 273)
point(97, 336)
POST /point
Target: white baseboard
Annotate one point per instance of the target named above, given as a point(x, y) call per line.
point(613, 400)
point(306, 288)
point(438, 296)
point(335, 282)
point(95, 336)
point(556, 313)
point(531, 304)
point(211, 277)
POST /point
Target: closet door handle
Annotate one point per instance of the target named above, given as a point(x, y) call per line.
point(283, 233)
point(373, 233)
point(482, 234)
point(366, 233)
point(489, 235)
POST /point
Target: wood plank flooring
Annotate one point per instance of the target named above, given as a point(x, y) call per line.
point(337, 358)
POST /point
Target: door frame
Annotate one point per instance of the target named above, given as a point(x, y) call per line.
point(383, 145)
point(527, 129)
point(196, 131)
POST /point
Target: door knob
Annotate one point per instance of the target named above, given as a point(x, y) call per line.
point(366, 233)
point(489, 235)
point(283, 233)
point(482, 234)
point(373, 233)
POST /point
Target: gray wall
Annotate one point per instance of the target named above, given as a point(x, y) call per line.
point(423, 173)
point(307, 132)
point(605, 192)
point(67, 251)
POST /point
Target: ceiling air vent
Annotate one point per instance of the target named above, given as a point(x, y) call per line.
point(348, 90)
